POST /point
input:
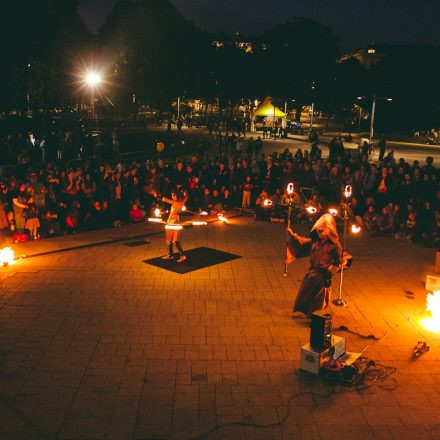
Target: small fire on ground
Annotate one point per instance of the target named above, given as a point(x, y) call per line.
point(6, 256)
point(432, 322)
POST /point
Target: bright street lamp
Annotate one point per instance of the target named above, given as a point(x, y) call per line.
point(93, 79)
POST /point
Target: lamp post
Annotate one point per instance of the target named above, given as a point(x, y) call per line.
point(373, 114)
point(93, 80)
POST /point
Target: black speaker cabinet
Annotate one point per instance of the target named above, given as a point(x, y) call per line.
point(321, 330)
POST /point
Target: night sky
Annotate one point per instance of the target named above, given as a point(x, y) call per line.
point(355, 22)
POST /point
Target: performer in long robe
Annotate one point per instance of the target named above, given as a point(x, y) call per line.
point(179, 197)
point(325, 255)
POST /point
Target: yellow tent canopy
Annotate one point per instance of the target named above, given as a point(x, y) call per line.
point(266, 108)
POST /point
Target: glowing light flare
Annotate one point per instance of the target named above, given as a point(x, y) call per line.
point(355, 229)
point(155, 219)
point(222, 218)
point(311, 210)
point(6, 256)
point(157, 212)
point(333, 212)
point(184, 208)
point(93, 79)
point(174, 227)
point(432, 323)
point(347, 191)
point(267, 202)
point(199, 223)
point(203, 213)
point(290, 188)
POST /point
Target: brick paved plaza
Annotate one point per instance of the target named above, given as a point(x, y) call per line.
point(96, 344)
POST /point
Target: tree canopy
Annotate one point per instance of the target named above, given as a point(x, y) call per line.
point(150, 51)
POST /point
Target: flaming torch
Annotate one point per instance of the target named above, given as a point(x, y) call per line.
point(267, 202)
point(222, 218)
point(347, 191)
point(432, 323)
point(333, 212)
point(6, 256)
point(311, 210)
point(355, 229)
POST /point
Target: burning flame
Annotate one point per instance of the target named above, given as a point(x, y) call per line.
point(157, 212)
point(199, 223)
point(184, 208)
point(203, 213)
point(432, 323)
point(155, 219)
point(333, 211)
point(222, 218)
point(6, 256)
point(267, 202)
point(311, 210)
point(355, 229)
point(347, 191)
point(290, 188)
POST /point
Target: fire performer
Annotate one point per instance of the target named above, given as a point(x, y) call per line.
point(325, 254)
point(177, 202)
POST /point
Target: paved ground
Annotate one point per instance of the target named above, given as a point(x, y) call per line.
point(95, 344)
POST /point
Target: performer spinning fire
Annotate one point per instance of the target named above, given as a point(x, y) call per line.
point(179, 197)
point(325, 255)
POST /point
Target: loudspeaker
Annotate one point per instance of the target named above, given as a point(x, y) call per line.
point(321, 330)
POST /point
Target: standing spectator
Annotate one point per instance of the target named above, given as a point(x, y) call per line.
point(247, 193)
point(19, 205)
point(32, 222)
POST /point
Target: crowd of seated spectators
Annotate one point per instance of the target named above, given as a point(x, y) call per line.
point(50, 196)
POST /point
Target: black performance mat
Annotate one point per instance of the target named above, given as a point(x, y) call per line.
point(197, 258)
point(137, 243)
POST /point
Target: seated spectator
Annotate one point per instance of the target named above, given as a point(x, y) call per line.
point(427, 224)
point(216, 200)
point(206, 203)
point(50, 226)
point(227, 200)
point(409, 229)
point(385, 222)
point(263, 205)
point(370, 220)
point(107, 218)
point(74, 218)
point(136, 215)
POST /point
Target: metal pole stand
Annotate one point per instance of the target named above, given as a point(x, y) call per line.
point(339, 301)
point(288, 226)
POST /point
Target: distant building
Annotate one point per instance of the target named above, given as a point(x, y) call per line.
point(367, 56)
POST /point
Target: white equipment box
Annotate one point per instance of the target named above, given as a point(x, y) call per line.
point(432, 283)
point(312, 359)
